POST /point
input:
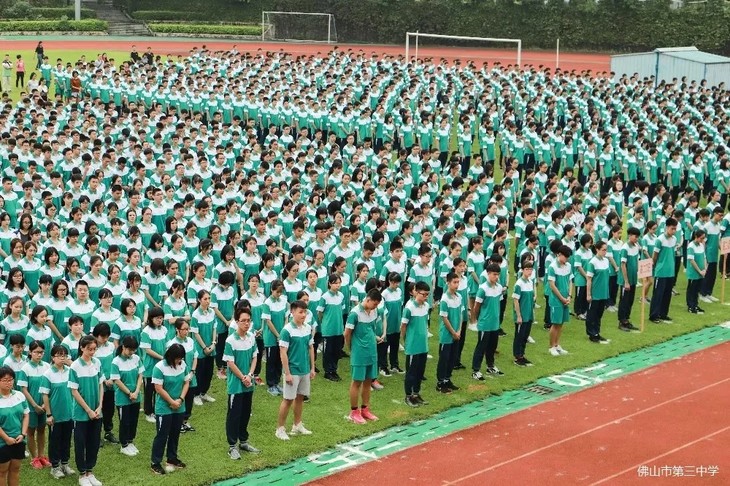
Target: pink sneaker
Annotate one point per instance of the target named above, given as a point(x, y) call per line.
point(367, 414)
point(356, 417)
point(37, 464)
point(45, 461)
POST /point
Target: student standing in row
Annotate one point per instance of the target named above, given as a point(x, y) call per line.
point(663, 256)
point(627, 279)
point(451, 310)
point(523, 297)
point(29, 381)
point(13, 428)
point(57, 401)
point(486, 314)
point(597, 292)
point(127, 373)
point(414, 334)
point(559, 275)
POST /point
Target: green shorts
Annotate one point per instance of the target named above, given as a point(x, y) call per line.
point(559, 314)
point(362, 373)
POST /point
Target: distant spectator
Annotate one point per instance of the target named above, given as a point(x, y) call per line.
point(134, 55)
point(19, 72)
point(39, 54)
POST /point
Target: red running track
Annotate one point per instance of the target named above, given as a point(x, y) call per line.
point(673, 414)
point(578, 61)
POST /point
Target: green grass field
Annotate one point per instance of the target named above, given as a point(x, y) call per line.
point(205, 449)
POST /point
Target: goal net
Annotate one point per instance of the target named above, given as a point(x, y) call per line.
point(298, 27)
point(477, 49)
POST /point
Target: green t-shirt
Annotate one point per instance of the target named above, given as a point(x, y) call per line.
point(172, 380)
point(86, 378)
point(126, 370)
point(629, 256)
point(363, 344)
point(154, 339)
point(274, 311)
point(241, 351)
point(598, 271)
point(12, 412)
point(55, 385)
point(297, 340)
point(695, 252)
point(30, 377)
point(489, 296)
point(415, 318)
point(203, 323)
point(393, 300)
point(524, 292)
point(560, 274)
point(664, 249)
point(331, 306)
point(451, 307)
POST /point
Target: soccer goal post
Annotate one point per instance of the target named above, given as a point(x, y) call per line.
point(416, 36)
point(298, 27)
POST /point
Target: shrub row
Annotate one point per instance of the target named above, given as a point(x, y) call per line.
point(53, 25)
point(202, 29)
point(161, 15)
point(57, 13)
point(204, 10)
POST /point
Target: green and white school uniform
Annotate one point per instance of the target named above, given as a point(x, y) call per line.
point(124, 326)
point(173, 380)
point(224, 300)
point(451, 307)
point(695, 252)
point(241, 351)
point(11, 326)
point(275, 311)
point(31, 377)
point(393, 302)
point(140, 299)
point(524, 293)
point(126, 370)
point(190, 355)
point(13, 409)
point(598, 270)
point(82, 309)
point(297, 340)
point(109, 316)
point(203, 323)
point(415, 318)
point(363, 344)
point(85, 378)
point(54, 383)
point(174, 308)
point(41, 334)
point(489, 296)
point(331, 306)
point(560, 275)
point(154, 339)
point(72, 345)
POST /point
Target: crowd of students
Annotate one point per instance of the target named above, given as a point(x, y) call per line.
point(172, 220)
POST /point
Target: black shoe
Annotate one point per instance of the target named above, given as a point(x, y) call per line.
point(316, 370)
point(519, 362)
point(603, 340)
point(451, 386)
point(158, 469)
point(494, 371)
point(344, 354)
point(656, 320)
point(420, 400)
point(337, 377)
point(459, 366)
point(411, 401)
point(667, 319)
point(632, 327)
point(177, 463)
point(624, 327)
point(594, 339)
point(700, 310)
point(306, 399)
point(109, 437)
point(547, 326)
point(443, 388)
point(330, 377)
point(692, 311)
point(396, 369)
point(501, 332)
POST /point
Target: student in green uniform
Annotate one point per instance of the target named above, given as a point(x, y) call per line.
point(451, 310)
point(597, 292)
point(388, 349)
point(627, 279)
point(223, 299)
point(182, 337)
point(29, 381)
point(127, 372)
point(329, 314)
point(13, 427)
point(297, 360)
point(57, 402)
point(240, 355)
point(105, 354)
point(523, 297)
point(171, 378)
point(361, 339)
point(202, 328)
point(86, 381)
point(153, 344)
point(696, 269)
point(663, 256)
point(486, 314)
point(559, 275)
point(414, 335)
point(274, 317)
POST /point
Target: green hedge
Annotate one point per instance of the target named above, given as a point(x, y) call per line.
point(53, 25)
point(205, 29)
point(152, 15)
point(616, 25)
point(204, 10)
point(57, 13)
point(51, 3)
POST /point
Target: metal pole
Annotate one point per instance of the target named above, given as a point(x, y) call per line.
point(519, 54)
point(77, 10)
point(557, 54)
point(329, 29)
point(263, 25)
point(408, 39)
point(416, 46)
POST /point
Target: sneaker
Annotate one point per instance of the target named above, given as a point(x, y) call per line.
point(459, 366)
point(501, 332)
point(692, 311)
point(93, 481)
point(705, 299)
point(176, 463)
point(355, 417)
point(674, 292)
point(411, 401)
point(477, 375)
point(430, 334)
point(420, 399)
point(197, 401)
point(376, 385)
point(666, 319)
point(645, 301)
point(300, 429)
point(612, 308)
point(581, 317)
point(547, 326)
point(593, 339)
point(151, 417)
point(305, 399)
point(330, 377)
point(207, 398)
point(84, 481)
point(494, 371)
point(603, 340)
point(134, 448)
point(624, 327)
point(67, 470)
point(519, 362)
point(443, 388)
point(233, 453)
point(396, 369)
point(655, 320)
point(472, 326)
point(278, 389)
point(560, 349)
point(44, 460)
point(401, 348)
point(367, 414)
point(526, 361)
point(530, 340)
point(273, 391)
point(221, 374)
point(259, 381)
point(246, 447)
point(156, 468)
point(127, 451)
point(186, 427)
point(451, 385)
point(385, 372)
point(429, 356)
point(632, 327)
point(554, 351)
point(281, 434)
point(57, 473)
point(713, 298)
point(109, 437)
point(36, 463)
point(700, 310)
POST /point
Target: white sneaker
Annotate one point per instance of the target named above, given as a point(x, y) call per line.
point(197, 401)
point(281, 434)
point(713, 298)
point(67, 470)
point(93, 481)
point(530, 340)
point(430, 334)
point(429, 356)
point(537, 306)
point(169, 468)
point(84, 481)
point(705, 299)
point(612, 308)
point(300, 429)
point(127, 451)
point(208, 398)
point(134, 448)
point(57, 473)
point(401, 348)
point(233, 453)
point(554, 352)
point(150, 418)
point(560, 349)
point(472, 326)
point(376, 385)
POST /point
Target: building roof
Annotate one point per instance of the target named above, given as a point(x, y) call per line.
point(688, 53)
